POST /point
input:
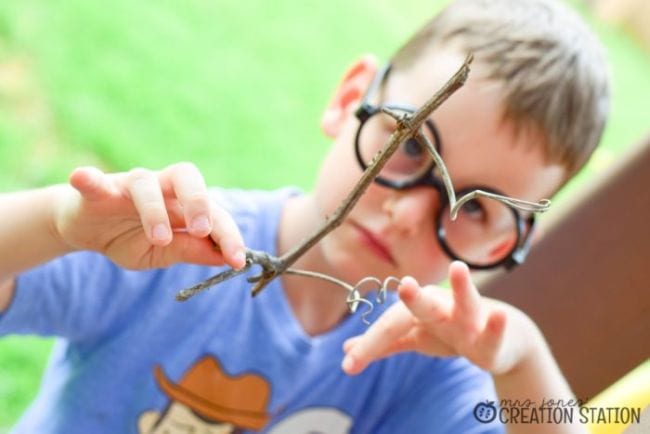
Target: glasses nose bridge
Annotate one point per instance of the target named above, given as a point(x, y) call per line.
point(428, 179)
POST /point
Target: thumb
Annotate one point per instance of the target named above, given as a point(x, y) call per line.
point(91, 182)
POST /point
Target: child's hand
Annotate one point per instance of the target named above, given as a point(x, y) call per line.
point(432, 321)
point(146, 219)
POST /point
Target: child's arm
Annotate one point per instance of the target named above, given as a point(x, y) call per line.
point(140, 219)
point(492, 335)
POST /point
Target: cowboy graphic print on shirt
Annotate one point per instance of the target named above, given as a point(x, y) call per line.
point(208, 400)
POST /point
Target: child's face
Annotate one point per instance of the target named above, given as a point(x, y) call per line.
point(478, 147)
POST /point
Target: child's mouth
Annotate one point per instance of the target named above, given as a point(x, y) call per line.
point(374, 243)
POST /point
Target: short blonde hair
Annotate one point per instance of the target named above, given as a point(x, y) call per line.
point(551, 67)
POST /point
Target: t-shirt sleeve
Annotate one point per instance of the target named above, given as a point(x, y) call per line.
point(76, 296)
point(445, 403)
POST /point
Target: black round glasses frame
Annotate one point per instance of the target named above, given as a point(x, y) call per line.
point(366, 110)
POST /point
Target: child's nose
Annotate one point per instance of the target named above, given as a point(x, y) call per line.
point(413, 211)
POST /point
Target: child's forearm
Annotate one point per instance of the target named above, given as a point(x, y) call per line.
point(28, 236)
point(535, 379)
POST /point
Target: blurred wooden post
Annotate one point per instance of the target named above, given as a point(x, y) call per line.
point(587, 283)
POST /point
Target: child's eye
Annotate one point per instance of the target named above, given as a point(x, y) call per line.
point(412, 148)
point(410, 160)
point(474, 210)
point(412, 151)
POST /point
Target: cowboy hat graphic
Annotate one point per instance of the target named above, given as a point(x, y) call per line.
point(214, 395)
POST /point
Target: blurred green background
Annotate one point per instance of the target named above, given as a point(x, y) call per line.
point(235, 87)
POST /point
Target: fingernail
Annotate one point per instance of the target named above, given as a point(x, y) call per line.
point(160, 232)
point(201, 224)
point(240, 257)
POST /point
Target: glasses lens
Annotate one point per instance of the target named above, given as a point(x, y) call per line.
point(483, 234)
point(409, 162)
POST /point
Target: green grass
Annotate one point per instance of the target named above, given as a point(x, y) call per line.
point(22, 360)
point(237, 88)
point(211, 82)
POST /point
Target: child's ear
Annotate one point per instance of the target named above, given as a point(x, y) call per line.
point(348, 94)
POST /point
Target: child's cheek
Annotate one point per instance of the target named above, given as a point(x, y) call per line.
point(338, 175)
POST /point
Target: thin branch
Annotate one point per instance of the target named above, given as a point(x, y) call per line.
point(408, 125)
point(272, 266)
point(405, 129)
point(185, 294)
point(263, 259)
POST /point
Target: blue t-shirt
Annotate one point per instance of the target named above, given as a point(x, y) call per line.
point(131, 359)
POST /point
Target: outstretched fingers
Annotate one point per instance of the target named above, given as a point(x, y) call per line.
point(480, 326)
point(428, 305)
point(467, 300)
point(377, 340)
point(437, 323)
point(494, 331)
point(490, 341)
point(403, 327)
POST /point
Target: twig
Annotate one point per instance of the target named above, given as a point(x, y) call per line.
point(406, 128)
point(408, 125)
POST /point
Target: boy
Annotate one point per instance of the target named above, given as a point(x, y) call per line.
point(133, 360)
